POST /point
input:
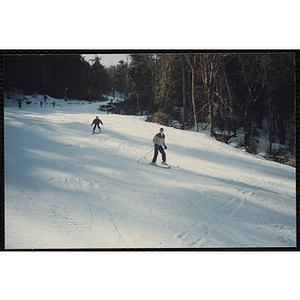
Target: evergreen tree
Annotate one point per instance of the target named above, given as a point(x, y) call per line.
point(139, 82)
point(50, 74)
point(98, 81)
point(120, 78)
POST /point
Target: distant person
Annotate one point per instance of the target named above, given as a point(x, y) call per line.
point(96, 121)
point(41, 103)
point(53, 103)
point(20, 103)
point(159, 145)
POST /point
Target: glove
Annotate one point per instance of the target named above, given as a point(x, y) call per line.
point(166, 147)
point(156, 146)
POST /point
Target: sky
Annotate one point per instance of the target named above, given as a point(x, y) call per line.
point(108, 60)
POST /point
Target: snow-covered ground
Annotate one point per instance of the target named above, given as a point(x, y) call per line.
point(66, 188)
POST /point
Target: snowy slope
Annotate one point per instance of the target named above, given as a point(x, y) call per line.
point(66, 188)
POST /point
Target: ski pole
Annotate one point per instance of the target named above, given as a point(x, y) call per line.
point(145, 155)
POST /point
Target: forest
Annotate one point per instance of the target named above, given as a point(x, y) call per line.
point(224, 90)
point(60, 76)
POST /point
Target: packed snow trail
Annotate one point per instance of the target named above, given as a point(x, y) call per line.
point(66, 188)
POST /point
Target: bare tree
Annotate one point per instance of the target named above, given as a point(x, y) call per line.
point(250, 68)
point(209, 66)
point(192, 65)
point(183, 92)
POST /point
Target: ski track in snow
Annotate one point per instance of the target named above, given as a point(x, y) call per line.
point(66, 188)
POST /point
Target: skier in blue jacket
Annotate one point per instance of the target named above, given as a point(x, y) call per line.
point(159, 145)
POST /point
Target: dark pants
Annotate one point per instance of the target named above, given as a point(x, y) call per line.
point(95, 127)
point(162, 151)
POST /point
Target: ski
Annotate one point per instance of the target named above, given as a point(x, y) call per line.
point(162, 167)
point(171, 166)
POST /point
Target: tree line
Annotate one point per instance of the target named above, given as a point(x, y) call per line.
point(60, 76)
point(226, 91)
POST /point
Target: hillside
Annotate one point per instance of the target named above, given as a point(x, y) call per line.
point(66, 188)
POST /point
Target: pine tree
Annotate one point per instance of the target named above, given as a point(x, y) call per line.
point(98, 80)
point(139, 82)
point(120, 78)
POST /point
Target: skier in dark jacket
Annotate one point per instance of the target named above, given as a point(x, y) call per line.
point(96, 121)
point(159, 145)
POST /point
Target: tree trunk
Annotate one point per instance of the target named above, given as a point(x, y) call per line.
point(281, 129)
point(193, 91)
point(210, 115)
point(183, 95)
point(169, 90)
point(44, 82)
point(269, 130)
point(245, 126)
point(273, 128)
point(232, 123)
